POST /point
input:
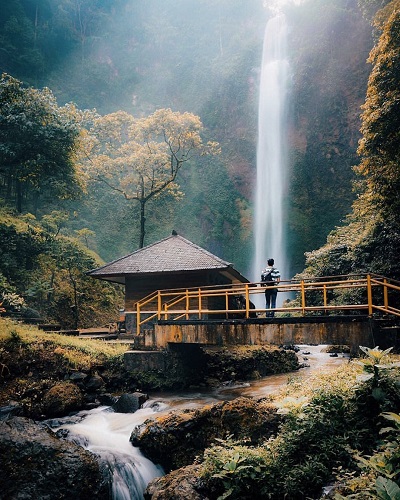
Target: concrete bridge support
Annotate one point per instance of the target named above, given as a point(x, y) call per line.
point(343, 330)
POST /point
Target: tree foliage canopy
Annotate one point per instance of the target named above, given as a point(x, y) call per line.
point(48, 270)
point(38, 142)
point(380, 144)
point(370, 240)
point(140, 158)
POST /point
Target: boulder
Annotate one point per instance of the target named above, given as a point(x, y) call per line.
point(61, 399)
point(13, 409)
point(77, 376)
point(177, 485)
point(94, 383)
point(174, 440)
point(130, 402)
point(36, 464)
point(107, 399)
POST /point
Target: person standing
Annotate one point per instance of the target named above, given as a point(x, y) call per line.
point(270, 277)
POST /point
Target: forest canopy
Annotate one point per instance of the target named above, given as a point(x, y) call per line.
point(370, 240)
point(38, 141)
point(114, 62)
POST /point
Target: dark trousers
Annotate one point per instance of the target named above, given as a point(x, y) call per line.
point(270, 300)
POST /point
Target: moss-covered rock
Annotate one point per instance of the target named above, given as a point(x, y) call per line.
point(189, 432)
point(62, 399)
point(178, 484)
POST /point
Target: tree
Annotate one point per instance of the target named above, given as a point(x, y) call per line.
point(38, 142)
point(141, 158)
point(369, 8)
point(379, 147)
point(370, 240)
point(85, 234)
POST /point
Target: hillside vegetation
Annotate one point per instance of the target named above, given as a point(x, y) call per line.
point(142, 57)
point(42, 275)
point(370, 237)
point(116, 179)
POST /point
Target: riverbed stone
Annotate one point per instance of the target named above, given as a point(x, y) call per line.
point(61, 399)
point(129, 402)
point(77, 376)
point(94, 383)
point(176, 439)
point(13, 409)
point(36, 464)
point(177, 485)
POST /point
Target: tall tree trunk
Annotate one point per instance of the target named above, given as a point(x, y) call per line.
point(18, 188)
point(75, 306)
point(142, 223)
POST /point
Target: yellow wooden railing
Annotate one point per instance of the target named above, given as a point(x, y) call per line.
point(308, 296)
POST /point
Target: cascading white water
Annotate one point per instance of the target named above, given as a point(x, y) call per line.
point(106, 434)
point(269, 216)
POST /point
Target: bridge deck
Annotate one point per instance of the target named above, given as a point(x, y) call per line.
point(366, 295)
point(337, 330)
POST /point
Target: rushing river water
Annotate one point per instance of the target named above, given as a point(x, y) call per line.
point(106, 433)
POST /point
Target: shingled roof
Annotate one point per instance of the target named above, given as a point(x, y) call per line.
point(170, 255)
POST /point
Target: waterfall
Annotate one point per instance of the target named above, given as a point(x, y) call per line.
point(269, 218)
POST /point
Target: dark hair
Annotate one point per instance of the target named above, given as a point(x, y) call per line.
point(271, 262)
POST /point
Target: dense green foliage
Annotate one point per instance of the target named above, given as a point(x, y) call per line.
point(42, 275)
point(38, 140)
point(370, 239)
point(321, 442)
point(380, 144)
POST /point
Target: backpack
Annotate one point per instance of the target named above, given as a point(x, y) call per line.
point(266, 278)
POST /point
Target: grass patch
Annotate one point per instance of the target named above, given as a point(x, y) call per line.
point(79, 352)
point(33, 361)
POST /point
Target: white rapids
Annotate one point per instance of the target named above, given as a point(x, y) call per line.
point(106, 433)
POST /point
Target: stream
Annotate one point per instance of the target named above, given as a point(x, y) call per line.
point(106, 433)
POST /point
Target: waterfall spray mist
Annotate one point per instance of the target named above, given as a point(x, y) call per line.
point(269, 220)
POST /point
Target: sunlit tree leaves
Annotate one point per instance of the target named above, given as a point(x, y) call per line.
point(380, 145)
point(141, 158)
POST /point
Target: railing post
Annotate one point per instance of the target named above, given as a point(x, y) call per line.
point(187, 304)
point(226, 304)
point(247, 301)
point(137, 318)
point(165, 312)
point(385, 295)
point(159, 304)
point(369, 294)
point(303, 298)
point(199, 303)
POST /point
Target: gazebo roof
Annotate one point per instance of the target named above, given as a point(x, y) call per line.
point(171, 255)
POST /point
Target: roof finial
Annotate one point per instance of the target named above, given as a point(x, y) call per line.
point(174, 233)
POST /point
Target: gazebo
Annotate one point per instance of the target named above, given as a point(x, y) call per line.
point(171, 263)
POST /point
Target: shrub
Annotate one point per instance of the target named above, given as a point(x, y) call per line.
point(327, 432)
